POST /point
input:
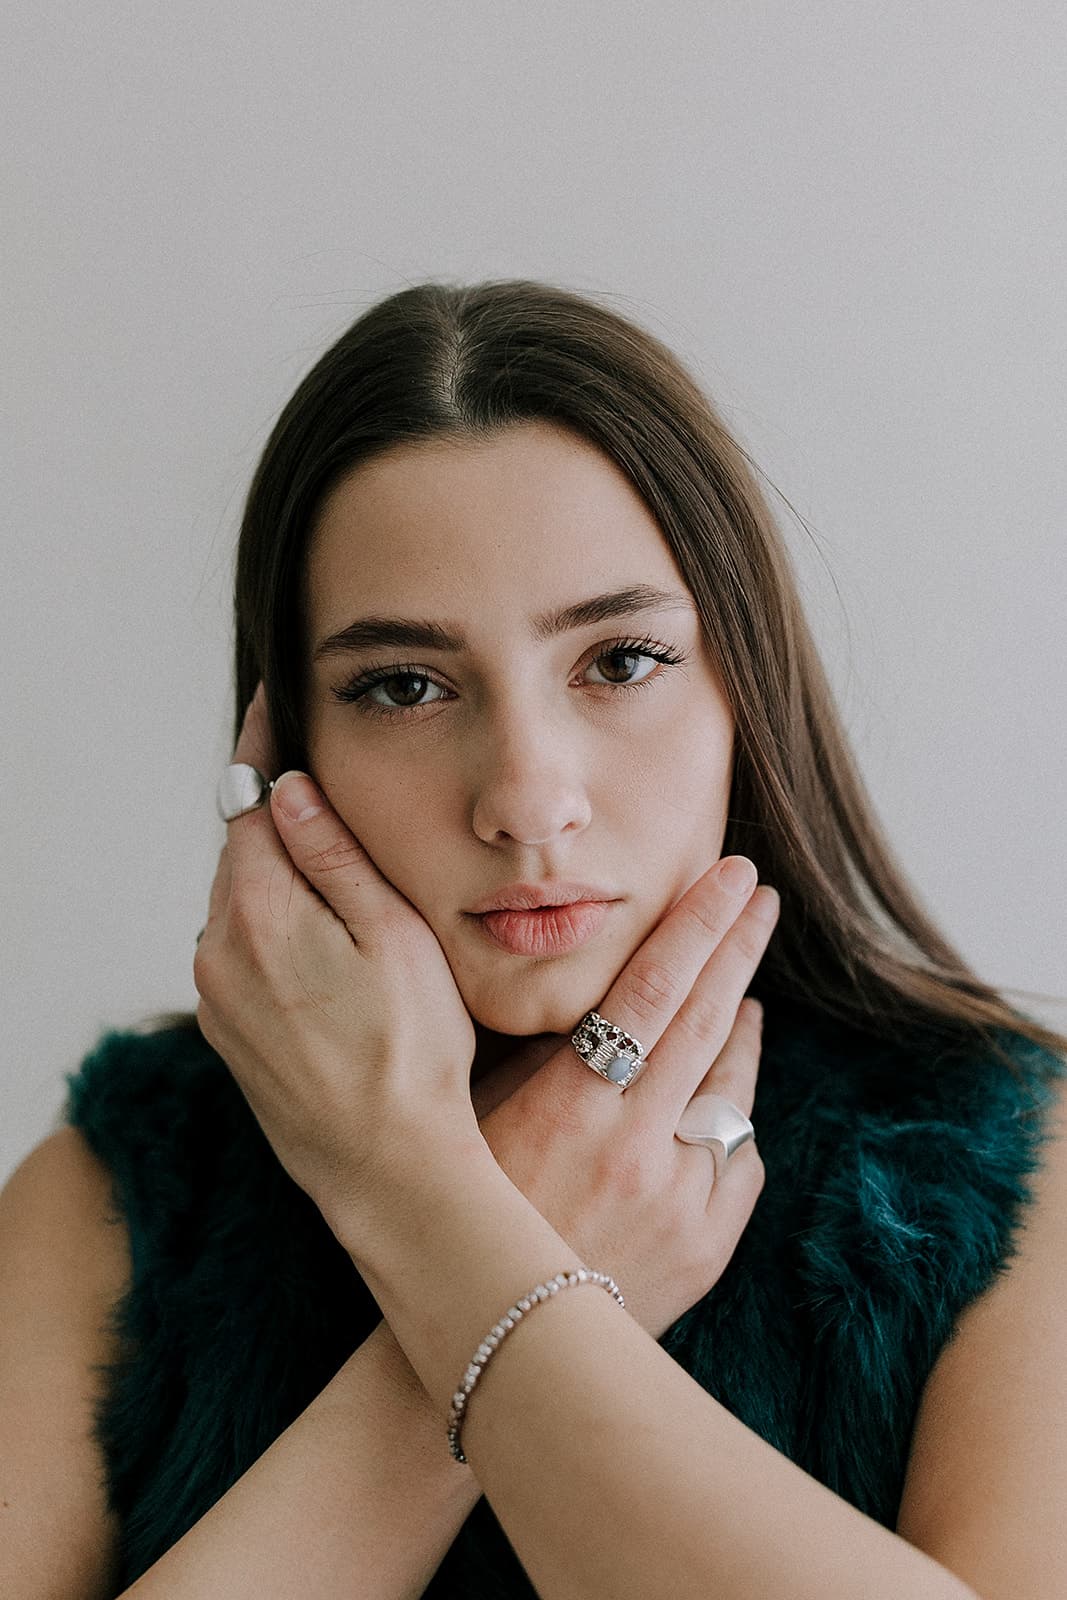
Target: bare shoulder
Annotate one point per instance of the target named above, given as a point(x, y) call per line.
point(64, 1261)
point(59, 1229)
point(986, 1485)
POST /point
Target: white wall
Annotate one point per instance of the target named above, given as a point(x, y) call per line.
point(848, 217)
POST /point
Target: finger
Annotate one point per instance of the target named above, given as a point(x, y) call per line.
point(731, 1073)
point(659, 976)
point(220, 888)
point(252, 835)
point(703, 1023)
point(328, 854)
point(733, 1076)
point(217, 901)
point(255, 742)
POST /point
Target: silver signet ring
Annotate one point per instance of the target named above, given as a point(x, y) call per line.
point(241, 788)
point(710, 1119)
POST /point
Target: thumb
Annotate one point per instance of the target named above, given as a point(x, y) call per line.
point(327, 853)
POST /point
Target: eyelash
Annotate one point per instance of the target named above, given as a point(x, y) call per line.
point(357, 689)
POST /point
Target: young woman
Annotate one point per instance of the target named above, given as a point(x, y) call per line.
point(536, 1204)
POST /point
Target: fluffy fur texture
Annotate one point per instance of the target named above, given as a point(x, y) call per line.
point(895, 1181)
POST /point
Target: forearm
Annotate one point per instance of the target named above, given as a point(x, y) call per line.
point(356, 1497)
point(634, 1468)
point(601, 1457)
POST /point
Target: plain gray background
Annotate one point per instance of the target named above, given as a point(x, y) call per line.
point(848, 218)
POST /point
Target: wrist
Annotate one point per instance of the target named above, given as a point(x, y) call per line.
point(448, 1260)
point(385, 1221)
point(391, 1373)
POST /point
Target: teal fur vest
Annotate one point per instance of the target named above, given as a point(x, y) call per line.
point(895, 1182)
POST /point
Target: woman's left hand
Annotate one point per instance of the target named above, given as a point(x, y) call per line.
point(330, 999)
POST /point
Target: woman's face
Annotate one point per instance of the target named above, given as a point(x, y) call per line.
point(519, 757)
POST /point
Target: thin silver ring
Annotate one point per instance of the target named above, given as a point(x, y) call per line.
point(241, 788)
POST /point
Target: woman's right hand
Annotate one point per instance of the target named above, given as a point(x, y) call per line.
point(604, 1168)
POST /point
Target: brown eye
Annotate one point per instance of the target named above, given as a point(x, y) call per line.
point(621, 666)
point(405, 684)
point(403, 691)
point(409, 696)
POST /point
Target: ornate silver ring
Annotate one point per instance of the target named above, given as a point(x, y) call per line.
point(612, 1052)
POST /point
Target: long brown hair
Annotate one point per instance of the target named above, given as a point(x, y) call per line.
point(853, 939)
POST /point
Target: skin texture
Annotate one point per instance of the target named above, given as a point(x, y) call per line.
point(522, 759)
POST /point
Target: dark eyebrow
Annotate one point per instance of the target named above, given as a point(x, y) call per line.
point(411, 633)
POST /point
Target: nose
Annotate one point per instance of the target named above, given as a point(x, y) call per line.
point(533, 790)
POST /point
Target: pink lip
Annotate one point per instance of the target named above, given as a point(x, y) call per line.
point(548, 932)
point(536, 896)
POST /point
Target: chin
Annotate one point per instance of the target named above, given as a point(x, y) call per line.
point(522, 998)
point(530, 1008)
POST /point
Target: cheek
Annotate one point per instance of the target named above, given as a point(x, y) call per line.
point(397, 822)
point(687, 774)
point(685, 807)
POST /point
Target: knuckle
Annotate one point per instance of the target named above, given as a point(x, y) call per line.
point(339, 854)
point(705, 916)
point(650, 989)
point(750, 936)
point(203, 969)
point(704, 1017)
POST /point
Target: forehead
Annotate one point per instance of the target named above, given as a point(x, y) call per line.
point(527, 518)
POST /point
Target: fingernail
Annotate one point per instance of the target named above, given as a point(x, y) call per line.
point(297, 796)
point(737, 874)
point(765, 904)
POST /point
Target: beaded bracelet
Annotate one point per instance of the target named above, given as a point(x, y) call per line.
point(480, 1359)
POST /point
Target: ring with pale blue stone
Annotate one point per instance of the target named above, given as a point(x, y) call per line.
point(612, 1052)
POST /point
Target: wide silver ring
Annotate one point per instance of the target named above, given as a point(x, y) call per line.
point(712, 1120)
point(241, 788)
point(612, 1052)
